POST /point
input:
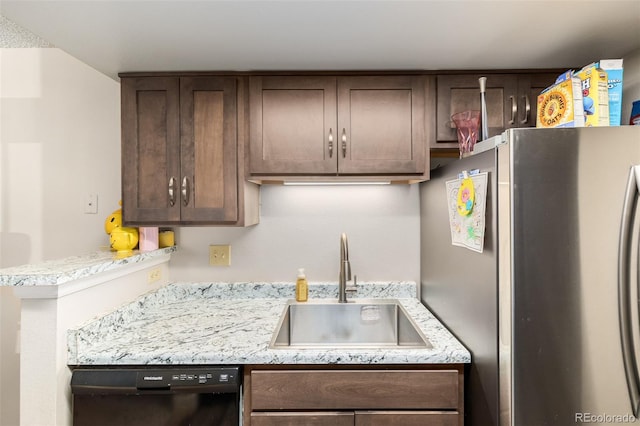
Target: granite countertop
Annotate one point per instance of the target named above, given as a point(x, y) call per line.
point(232, 323)
point(56, 272)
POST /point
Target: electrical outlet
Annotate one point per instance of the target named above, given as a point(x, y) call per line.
point(154, 275)
point(220, 255)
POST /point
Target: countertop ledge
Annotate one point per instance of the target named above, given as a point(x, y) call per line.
point(232, 323)
point(60, 271)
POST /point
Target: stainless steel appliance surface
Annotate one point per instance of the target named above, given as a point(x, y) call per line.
point(159, 396)
point(549, 309)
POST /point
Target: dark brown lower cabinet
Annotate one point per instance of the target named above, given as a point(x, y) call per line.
point(354, 395)
point(356, 418)
point(407, 418)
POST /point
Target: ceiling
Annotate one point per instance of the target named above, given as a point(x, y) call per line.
point(240, 35)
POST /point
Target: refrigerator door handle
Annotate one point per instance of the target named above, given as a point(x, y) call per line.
point(627, 326)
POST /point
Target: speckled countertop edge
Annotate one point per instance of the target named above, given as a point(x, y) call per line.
point(60, 271)
point(232, 323)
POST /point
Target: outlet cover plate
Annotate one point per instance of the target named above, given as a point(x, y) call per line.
point(220, 255)
point(154, 275)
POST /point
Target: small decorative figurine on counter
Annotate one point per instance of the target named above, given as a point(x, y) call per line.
point(122, 239)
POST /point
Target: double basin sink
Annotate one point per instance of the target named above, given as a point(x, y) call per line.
point(375, 323)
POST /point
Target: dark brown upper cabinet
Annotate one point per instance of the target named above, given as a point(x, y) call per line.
point(338, 126)
point(511, 101)
point(180, 151)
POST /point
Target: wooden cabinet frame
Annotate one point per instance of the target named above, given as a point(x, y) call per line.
point(511, 100)
point(328, 126)
point(183, 151)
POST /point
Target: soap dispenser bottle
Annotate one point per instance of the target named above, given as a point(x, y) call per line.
point(302, 287)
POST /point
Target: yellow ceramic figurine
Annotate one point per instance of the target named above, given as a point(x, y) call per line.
point(122, 239)
point(113, 221)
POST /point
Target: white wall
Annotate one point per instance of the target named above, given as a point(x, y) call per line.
point(59, 140)
point(631, 83)
point(301, 227)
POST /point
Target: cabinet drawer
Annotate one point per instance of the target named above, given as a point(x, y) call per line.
point(330, 418)
point(351, 389)
point(406, 418)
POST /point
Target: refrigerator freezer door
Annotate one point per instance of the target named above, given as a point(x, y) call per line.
point(566, 194)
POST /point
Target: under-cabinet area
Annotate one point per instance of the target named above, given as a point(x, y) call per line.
point(425, 395)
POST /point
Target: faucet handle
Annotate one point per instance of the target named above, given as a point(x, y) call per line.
point(354, 287)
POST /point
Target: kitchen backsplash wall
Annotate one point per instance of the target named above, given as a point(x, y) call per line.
point(300, 227)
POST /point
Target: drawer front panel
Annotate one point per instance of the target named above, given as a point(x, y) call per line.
point(406, 418)
point(303, 419)
point(350, 389)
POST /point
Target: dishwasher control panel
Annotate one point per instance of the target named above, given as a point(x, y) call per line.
point(188, 377)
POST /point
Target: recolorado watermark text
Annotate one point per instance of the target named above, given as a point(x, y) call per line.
point(604, 418)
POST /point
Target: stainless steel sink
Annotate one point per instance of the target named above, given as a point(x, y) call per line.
point(375, 323)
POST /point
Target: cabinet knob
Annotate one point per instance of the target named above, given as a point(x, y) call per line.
point(344, 142)
point(330, 142)
point(185, 191)
point(172, 196)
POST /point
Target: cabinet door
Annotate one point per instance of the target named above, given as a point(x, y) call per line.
point(381, 125)
point(457, 93)
point(293, 125)
point(313, 418)
point(407, 418)
point(208, 179)
point(530, 86)
point(150, 149)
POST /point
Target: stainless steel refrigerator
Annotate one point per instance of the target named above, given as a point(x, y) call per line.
point(549, 309)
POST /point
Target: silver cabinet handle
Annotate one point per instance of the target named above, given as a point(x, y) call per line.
point(344, 142)
point(527, 109)
point(172, 196)
point(330, 143)
point(514, 110)
point(185, 191)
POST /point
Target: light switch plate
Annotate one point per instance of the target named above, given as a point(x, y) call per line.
point(91, 204)
point(220, 255)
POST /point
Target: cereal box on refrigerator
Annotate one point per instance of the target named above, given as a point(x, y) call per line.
point(595, 95)
point(613, 67)
point(560, 105)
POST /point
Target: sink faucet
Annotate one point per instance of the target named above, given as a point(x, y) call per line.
point(345, 270)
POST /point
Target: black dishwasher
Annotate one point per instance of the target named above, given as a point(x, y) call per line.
point(172, 396)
